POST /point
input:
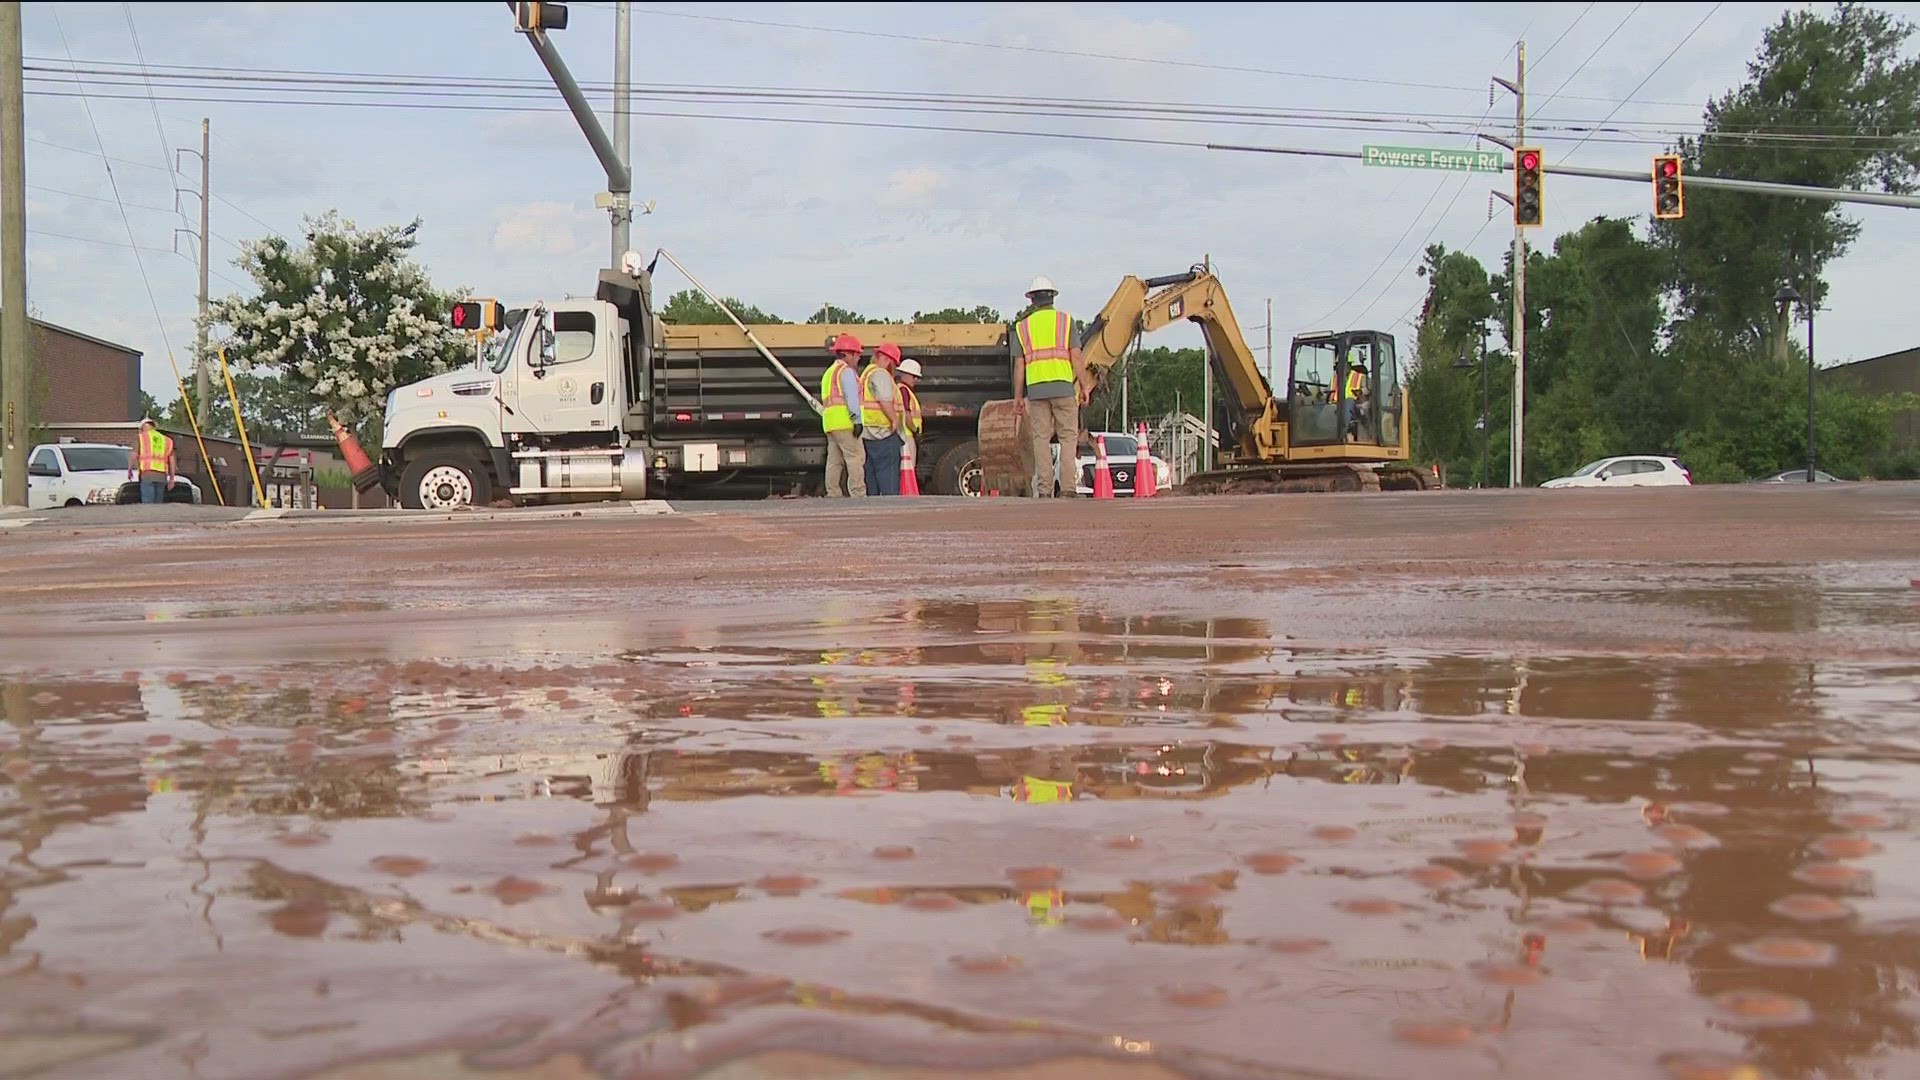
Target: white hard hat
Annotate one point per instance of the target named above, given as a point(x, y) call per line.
point(909, 366)
point(1041, 284)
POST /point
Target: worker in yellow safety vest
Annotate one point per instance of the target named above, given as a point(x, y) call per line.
point(1353, 394)
point(880, 420)
point(912, 420)
point(840, 396)
point(153, 463)
point(1048, 390)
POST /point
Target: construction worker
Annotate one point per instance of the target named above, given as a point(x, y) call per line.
point(912, 421)
point(1047, 390)
point(153, 463)
point(840, 393)
point(1353, 394)
point(880, 420)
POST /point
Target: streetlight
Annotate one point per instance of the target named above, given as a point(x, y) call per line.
point(1786, 297)
point(1466, 363)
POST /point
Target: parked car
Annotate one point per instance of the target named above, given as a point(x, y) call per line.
point(83, 474)
point(1799, 476)
point(1123, 452)
point(1630, 471)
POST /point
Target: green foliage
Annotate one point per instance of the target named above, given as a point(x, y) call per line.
point(275, 407)
point(688, 307)
point(835, 315)
point(346, 316)
point(950, 315)
point(1842, 71)
point(1159, 380)
point(1659, 345)
point(148, 406)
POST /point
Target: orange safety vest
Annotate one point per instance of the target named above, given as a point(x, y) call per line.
point(151, 452)
point(1051, 330)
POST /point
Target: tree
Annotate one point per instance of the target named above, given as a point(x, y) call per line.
point(276, 408)
point(1159, 380)
point(950, 315)
point(834, 315)
point(343, 318)
point(1829, 101)
point(689, 307)
point(148, 406)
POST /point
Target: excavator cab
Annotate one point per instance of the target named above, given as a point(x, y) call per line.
point(1327, 407)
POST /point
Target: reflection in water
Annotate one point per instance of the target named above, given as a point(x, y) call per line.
point(1023, 821)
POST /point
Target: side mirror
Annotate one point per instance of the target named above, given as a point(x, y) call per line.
point(1605, 476)
point(543, 351)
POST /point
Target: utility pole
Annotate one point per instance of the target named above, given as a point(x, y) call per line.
point(202, 382)
point(1516, 463)
point(15, 419)
point(622, 215)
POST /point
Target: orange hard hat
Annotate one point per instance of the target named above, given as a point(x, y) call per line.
point(887, 350)
point(846, 343)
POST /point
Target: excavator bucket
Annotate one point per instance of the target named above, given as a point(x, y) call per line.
point(1006, 452)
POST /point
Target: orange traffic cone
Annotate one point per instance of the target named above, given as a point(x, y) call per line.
point(1145, 483)
point(1102, 475)
point(366, 475)
point(909, 480)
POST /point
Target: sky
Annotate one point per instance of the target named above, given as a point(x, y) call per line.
point(790, 215)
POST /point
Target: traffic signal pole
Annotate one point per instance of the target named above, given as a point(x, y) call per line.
point(1519, 281)
point(622, 125)
point(612, 160)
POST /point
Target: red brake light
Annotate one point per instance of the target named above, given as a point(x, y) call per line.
point(683, 417)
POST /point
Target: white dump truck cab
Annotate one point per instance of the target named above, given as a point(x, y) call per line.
point(540, 415)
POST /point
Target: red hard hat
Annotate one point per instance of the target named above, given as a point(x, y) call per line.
point(887, 350)
point(846, 343)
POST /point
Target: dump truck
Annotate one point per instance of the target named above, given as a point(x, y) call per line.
point(598, 398)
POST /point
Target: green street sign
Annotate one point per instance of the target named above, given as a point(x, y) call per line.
point(1420, 157)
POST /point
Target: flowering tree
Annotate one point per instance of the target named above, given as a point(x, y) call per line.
point(345, 317)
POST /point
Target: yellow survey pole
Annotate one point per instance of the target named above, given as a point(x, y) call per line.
point(240, 425)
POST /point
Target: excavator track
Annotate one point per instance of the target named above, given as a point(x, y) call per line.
point(1271, 479)
point(1006, 456)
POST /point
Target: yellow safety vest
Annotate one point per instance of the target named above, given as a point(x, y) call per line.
point(1046, 339)
point(910, 408)
point(837, 416)
point(152, 452)
point(872, 415)
point(1032, 789)
point(1355, 383)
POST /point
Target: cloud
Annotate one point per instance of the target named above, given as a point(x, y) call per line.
point(543, 228)
point(910, 188)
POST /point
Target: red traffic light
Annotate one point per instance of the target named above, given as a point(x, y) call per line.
point(1529, 161)
point(1669, 166)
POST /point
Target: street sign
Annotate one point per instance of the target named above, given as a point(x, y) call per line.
point(1420, 157)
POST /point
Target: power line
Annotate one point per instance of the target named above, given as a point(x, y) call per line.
point(1542, 58)
point(125, 221)
point(97, 198)
point(961, 42)
point(1677, 46)
point(1635, 10)
point(166, 151)
point(36, 231)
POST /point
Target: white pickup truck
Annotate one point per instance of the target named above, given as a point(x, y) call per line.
point(83, 474)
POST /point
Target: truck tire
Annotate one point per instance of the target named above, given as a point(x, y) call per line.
point(445, 480)
point(957, 471)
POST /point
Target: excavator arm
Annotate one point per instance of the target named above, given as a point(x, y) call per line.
point(1140, 307)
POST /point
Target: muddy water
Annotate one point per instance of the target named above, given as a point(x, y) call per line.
point(1035, 837)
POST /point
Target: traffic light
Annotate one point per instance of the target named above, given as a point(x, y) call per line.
point(528, 17)
point(1669, 194)
point(1529, 203)
point(475, 315)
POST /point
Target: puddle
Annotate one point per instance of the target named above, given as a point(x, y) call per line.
point(1010, 834)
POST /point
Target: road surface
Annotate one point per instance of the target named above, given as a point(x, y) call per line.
point(1589, 784)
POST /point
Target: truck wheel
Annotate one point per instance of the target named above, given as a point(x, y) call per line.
point(958, 472)
point(445, 480)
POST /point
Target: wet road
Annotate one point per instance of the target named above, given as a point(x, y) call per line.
point(1369, 787)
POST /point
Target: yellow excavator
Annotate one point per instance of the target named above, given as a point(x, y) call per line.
point(1317, 436)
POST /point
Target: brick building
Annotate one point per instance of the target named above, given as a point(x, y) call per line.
point(78, 378)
